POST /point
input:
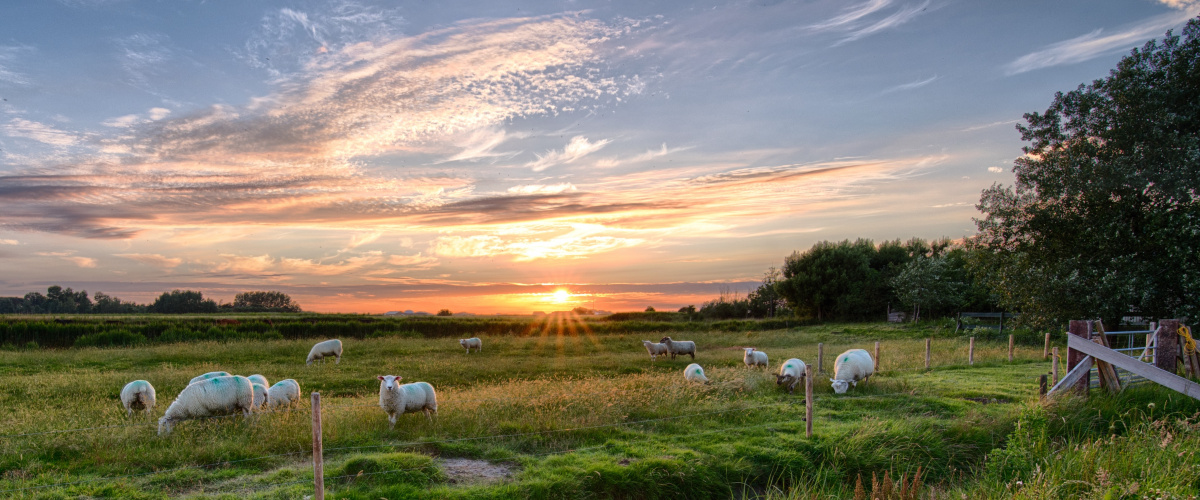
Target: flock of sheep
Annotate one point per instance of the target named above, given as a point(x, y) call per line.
point(219, 393)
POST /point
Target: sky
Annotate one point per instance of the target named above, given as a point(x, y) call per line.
point(482, 156)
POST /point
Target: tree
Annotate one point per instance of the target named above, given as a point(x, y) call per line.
point(265, 301)
point(649, 309)
point(182, 301)
point(830, 280)
point(445, 312)
point(927, 283)
point(1103, 219)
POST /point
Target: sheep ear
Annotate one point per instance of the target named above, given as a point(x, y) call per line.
point(399, 378)
point(381, 377)
point(832, 380)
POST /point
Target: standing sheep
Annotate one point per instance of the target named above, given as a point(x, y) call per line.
point(138, 395)
point(470, 343)
point(284, 393)
point(850, 367)
point(326, 348)
point(693, 373)
point(207, 376)
point(396, 399)
point(655, 349)
point(259, 379)
point(680, 347)
point(790, 374)
point(215, 396)
point(755, 357)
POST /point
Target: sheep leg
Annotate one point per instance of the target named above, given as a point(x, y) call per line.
point(128, 412)
point(692, 354)
point(428, 415)
point(392, 420)
point(338, 361)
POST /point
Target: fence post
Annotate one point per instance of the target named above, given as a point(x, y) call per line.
point(820, 357)
point(876, 356)
point(318, 459)
point(1054, 365)
point(928, 341)
point(1042, 385)
point(971, 352)
point(1079, 328)
point(1010, 348)
point(1046, 350)
point(808, 400)
point(1166, 348)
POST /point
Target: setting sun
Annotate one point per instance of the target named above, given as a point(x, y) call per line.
point(561, 296)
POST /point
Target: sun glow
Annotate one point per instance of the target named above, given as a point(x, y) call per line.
point(561, 296)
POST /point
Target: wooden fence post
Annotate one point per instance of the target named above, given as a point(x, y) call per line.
point(1010, 348)
point(971, 352)
point(808, 400)
point(1054, 365)
point(876, 356)
point(1079, 328)
point(820, 357)
point(1166, 347)
point(318, 459)
point(1042, 385)
point(928, 343)
point(1046, 350)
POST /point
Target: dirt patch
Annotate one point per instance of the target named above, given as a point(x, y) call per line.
point(470, 471)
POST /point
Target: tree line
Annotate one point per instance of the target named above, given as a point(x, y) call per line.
point(59, 300)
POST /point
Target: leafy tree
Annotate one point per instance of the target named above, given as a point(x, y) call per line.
point(582, 311)
point(445, 312)
point(1103, 218)
point(830, 280)
point(265, 301)
point(649, 309)
point(927, 283)
point(181, 302)
point(689, 310)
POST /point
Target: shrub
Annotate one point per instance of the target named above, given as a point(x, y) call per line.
point(110, 338)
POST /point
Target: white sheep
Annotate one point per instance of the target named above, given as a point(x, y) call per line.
point(655, 349)
point(849, 368)
point(260, 395)
point(791, 372)
point(138, 395)
point(396, 399)
point(215, 396)
point(470, 343)
point(259, 379)
point(679, 347)
point(284, 393)
point(207, 376)
point(755, 357)
point(326, 348)
point(693, 373)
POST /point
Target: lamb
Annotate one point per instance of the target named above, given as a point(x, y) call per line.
point(259, 379)
point(679, 347)
point(326, 348)
point(472, 342)
point(395, 399)
point(790, 373)
point(138, 395)
point(207, 376)
point(755, 357)
point(284, 393)
point(655, 349)
point(215, 396)
point(850, 367)
point(693, 373)
point(260, 395)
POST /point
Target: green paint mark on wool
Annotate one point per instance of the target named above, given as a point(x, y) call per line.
point(787, 366)
point(699, 370)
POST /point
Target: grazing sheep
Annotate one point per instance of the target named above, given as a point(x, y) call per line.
point(259, 379)
point(207, 376)
point(215, 396)
point(755, 358)
point(655, 349)
point(260, 395)
point(790, 374)
point(679, 347)
point(850, 367)
point(396, 399)
point(284, 393)
point(470, 343)
point(138, 395)
point(693, 373)
point(326, 348)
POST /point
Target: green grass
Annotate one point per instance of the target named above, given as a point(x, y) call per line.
point(581, 414)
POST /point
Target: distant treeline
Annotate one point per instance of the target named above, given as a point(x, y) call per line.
point(59, 300)
point(859, 280)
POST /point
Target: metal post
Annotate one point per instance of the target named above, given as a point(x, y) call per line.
point(318, 462)
point(808, 400)
point(820, 357)
point(1010, 348)
point(1054, 365)
point(1046, 350)
point(971, 352)
point(877, 356)
point(928, 342)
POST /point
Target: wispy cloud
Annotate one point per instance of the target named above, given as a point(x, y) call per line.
point(911, 85)
point(577, 148)
point(9, 242)
point(850, 17)
point(859, 21)
point(563, 187)
point(143, 57)
point(46, 134)
point(481, 144)
point(156, 260)
point(8, 58)
point(287, 38)
point(80, 261)
point(359, 240)
point(647, 156)
point(1097, 43)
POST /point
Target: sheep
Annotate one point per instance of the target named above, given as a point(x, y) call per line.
point(850, 367)
point(395, 399)
point(260, 395)
point(284, 393)
point(791, 372)
point(138, 395)
point(215, 396)
point(655, 349)
point(755, 358)
point(693, 373)
point(207, 376)
point(472, 342)
point(679, 347)
point(259, 379)
point(326, 348)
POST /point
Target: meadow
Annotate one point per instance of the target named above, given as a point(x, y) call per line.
point(580, 411)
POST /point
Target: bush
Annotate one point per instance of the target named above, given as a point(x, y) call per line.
point(110, 338)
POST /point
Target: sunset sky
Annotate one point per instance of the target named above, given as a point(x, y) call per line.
point(480, 156)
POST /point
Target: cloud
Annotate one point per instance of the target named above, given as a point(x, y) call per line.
point(854, 21)
point(1096, 43)
point(582, 240)
point(851, 15)
point(1179, 4)
point(286, 39)
point(85, 262)
point(9, 242)
point(911, 85)
point(647, 156)
point(412, 262)
point(995, 170)
point(577, 148)
point(362, 239)
point(46, 134)
point(481, 143)
point(9, 55)
point(143, 57)
point(564, 187)
point(155, 260)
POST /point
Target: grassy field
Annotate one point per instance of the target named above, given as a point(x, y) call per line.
point(587, 415)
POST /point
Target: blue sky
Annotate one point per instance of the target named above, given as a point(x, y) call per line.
point(478, 156)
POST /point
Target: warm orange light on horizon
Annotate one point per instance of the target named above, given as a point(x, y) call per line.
point(561, 296)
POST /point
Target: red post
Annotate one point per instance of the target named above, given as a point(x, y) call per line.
point(1079, 328)
point(318, 461)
